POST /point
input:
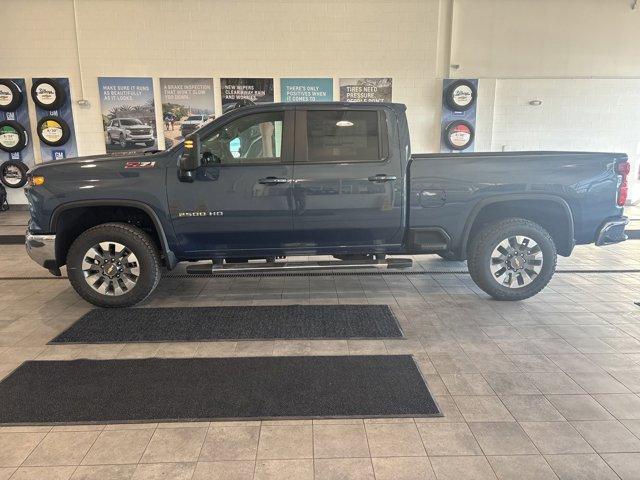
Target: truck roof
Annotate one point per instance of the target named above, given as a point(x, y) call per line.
point(393, 105)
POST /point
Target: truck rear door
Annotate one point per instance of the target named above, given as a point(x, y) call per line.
point(348, 188)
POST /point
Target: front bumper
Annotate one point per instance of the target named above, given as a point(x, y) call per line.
point(42, 250)
point(612, 231)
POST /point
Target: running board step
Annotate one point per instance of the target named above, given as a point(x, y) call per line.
point(283, 266)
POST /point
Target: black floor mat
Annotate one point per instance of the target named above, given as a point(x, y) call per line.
point(12, 240)
point(116, 391)
point(179, 324)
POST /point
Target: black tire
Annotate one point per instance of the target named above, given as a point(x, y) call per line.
point(47, 94)
point(13, 174)
point(455, 126)
point(483, 244)
point(136, 240)
point(57, 123)
point(448, 256)
point(10, 101)
point(14, 128)
point(451, 94)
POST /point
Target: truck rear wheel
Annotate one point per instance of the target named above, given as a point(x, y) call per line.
point(113, 265)
point(512, 259)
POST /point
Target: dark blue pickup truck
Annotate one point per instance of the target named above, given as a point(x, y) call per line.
point(276, 180)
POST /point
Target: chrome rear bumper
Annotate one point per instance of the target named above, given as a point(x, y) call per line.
point(42, 250)
point(612, 231)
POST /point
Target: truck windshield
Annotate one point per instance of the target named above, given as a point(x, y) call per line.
point(130, 121)
point(196, 118)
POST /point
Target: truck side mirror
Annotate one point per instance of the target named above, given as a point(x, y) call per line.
point(190, 159)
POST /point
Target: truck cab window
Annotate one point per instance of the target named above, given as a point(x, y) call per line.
point(251, 139)
point(343, 136)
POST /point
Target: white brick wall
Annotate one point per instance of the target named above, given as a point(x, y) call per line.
point(576, 114)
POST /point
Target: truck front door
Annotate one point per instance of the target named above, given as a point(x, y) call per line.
point(348, 188)
point(240, 199)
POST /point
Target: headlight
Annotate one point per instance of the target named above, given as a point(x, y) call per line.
point(36, 180)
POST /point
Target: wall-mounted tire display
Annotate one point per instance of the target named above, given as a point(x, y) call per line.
point(13, 173)
point(53, 131)
point(47, 94)
point(10, 96)
point(460, 95)
point(13, 136)
point(459, 135)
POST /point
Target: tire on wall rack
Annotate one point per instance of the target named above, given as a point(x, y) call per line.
point(53, 131)
point(13, 173)
point(459, 135)
point(113, 265)
point(10, 95)
point(460, 95)
point(47, 94)
point(13, 136)
point(512, 259)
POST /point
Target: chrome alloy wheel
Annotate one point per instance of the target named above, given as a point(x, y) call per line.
point(110, 268)
point(516, 261)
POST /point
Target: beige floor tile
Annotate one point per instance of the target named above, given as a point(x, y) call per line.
point(579, 407)
point(483, 408)
point(580, 467)
point(556, 438)
point(508, 438)
point(230, 443)
point(466, 384)
point(343, 469)
point(118, 447)
point(626, 465)
point(62, 448)
point(531, 408)
point(104, 472)
point(164, 471)
point(16, 446)
point(522, 467)
point(394, 440)
point(622, 406)
point(608, 436)
point(462, 468)
point(340, 441)
point(448, 439)
point(285, 442)
point(284, 470)
point(78, 428)
point(176, 445)
point(6, 472)
point(131, 426)
point(232, 470)
point(43, 473)
point(403, 468)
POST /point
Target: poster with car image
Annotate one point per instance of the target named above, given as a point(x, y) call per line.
point(128, 114)
point(366, 89)
point(54, 127)
point(238, 92)
point(187, 104)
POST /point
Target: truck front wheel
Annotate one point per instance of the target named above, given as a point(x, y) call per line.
point(512, 259)
point(113, 265)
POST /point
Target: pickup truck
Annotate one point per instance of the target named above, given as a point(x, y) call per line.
point(276, 180)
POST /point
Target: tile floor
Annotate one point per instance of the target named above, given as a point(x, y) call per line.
point(541, 389)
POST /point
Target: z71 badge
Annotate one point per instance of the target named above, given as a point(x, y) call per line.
point(139, 164)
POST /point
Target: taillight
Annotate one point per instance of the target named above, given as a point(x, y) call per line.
point(623, 169)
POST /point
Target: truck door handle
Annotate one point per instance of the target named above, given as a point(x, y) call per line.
point(381, 177)
point(273, 181)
